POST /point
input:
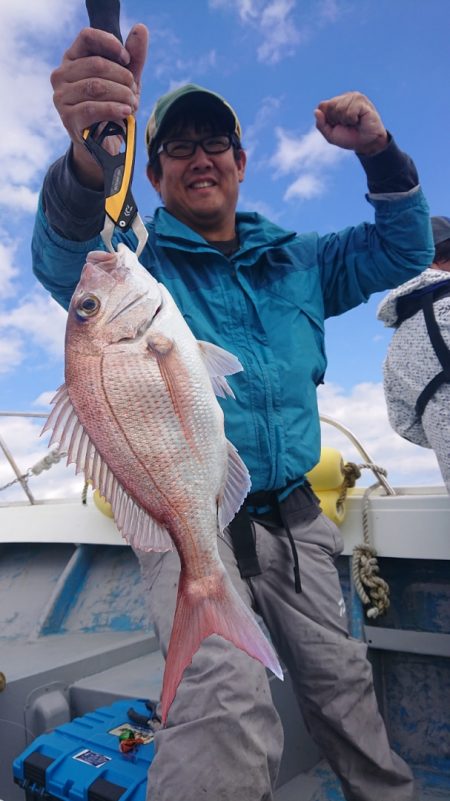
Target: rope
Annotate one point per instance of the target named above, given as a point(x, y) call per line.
point(52, 458)
point(23, 477)
point(351, 473)
point(371, 588)
point(84, 493)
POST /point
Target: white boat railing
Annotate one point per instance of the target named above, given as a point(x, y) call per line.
point(22, 478)
point(362, 451)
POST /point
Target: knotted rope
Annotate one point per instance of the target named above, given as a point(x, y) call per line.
point(84, 492)
point(371, 588)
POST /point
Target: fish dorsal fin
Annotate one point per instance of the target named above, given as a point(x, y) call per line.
point(236, 488)
point(219, 363)
point(139, 529)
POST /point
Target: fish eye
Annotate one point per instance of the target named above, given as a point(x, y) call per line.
point(88, 306)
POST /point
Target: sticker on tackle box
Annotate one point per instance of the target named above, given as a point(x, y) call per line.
point(138, 731)
point(92, 758)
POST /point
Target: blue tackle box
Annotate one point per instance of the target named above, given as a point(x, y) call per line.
point(102, 756)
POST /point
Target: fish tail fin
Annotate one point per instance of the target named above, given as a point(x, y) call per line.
point(199, 614)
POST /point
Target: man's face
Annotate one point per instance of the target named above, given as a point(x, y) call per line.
point(202, 190)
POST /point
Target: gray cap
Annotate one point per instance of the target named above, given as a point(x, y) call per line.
point(441, 229)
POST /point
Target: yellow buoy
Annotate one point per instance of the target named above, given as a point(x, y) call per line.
point(329, 472)
point(330, 506)
point(102, 504)
point(326, 479)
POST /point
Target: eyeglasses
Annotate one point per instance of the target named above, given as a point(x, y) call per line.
point(185, 148)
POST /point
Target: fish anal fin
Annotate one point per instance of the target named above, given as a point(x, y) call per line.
point(142, 531)
point(217, 610)
point(237, 487)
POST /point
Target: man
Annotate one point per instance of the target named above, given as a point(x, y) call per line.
point(417, 365)
point(262, 293)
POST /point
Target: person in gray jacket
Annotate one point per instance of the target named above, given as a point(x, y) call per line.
point(417, 365)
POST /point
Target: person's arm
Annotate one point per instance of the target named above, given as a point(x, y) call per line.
point(351, 121)
point(369, 258)
point(98, 80)
point(74, 211)
point(389, 172)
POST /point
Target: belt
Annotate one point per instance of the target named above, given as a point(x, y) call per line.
point(267, 508)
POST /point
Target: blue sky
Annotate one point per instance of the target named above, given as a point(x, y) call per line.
point(274, 60)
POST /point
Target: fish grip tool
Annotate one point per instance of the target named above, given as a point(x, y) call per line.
point(120, 206)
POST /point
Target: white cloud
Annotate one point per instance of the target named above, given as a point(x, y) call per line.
point(32, 126)
point(167, 64)
point(260, 206)
point(22, 436)
point(279, 31)
point(43, 18)
point(306, 186)
point(21, 198)
point(247, 9)
point(11, 352)
point(310, 155)
point(273, 20)
point(44, 399)
point(363, 411)
point(8, 269)
point(308, 151)
point(38, 321)
point(277, 23)
point(267, 110)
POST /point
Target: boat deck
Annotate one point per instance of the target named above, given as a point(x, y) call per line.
point(84, 640)
point(320, 784)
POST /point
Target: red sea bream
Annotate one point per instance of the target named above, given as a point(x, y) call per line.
point(138, 415)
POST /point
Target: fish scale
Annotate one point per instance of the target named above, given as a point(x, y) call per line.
point(153, 430)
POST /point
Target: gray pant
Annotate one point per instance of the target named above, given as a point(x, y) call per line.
point(224, 739)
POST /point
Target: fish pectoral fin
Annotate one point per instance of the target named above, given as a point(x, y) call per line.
point(237, 487)
point(219, 363)
point(159, 343)
point(133, 522)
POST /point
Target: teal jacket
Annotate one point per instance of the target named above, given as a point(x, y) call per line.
point(266, 304)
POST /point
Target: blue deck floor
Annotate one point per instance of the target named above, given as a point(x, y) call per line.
point(320, 784)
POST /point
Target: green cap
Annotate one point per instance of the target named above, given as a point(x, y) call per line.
point(183, 98)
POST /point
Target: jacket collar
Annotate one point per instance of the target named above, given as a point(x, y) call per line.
point(254, 231)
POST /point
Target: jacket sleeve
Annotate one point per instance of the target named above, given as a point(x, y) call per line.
point(67, 227)
point(73, 210)
point(368, 258)
point(57, 261)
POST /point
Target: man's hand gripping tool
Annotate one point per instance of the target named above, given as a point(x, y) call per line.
point(120, 206)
